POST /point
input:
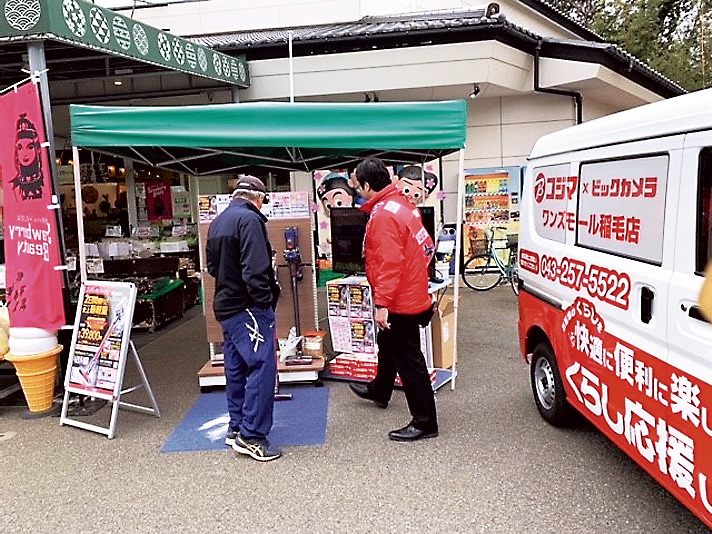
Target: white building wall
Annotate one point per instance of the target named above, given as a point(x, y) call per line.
point(593, 109)
point(418, 73)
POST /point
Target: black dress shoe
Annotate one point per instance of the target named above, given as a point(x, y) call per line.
point(410, 433)
point(362, 391)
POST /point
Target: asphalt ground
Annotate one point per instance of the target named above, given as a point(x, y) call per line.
point(496, 466)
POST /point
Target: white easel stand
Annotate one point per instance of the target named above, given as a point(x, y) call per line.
point(116, 402)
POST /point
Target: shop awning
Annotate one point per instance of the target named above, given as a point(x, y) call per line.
point(204, 140)
point(82, 24)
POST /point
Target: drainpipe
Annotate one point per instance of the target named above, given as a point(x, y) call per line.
point(578, 100)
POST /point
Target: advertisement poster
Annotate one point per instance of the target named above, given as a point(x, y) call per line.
point(101, 335)
point(210, 206)
point(350, 308)
point(292, 205)
point(334, 191)
point(158, 201)
point(32, 250)
point(98, 200)
point(614, 206)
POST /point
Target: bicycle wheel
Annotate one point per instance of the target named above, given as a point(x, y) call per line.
point(481, 277)
point(513, 270)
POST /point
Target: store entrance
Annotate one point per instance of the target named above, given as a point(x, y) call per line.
point(139, 227)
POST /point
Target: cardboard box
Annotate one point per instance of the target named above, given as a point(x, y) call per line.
point(314, 343)
point(443, 327)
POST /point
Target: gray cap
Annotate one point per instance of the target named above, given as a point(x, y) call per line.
point(250, 183)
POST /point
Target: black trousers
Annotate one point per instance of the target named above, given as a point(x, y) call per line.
point(399, 352)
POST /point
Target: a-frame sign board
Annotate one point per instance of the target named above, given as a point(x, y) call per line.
point(100, 344)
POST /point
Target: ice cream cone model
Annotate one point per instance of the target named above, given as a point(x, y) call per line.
point(38, 375)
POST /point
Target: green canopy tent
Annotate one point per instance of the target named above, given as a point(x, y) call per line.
point(203, 140)
point(215, 139)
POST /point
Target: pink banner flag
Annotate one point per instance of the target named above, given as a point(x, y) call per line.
point(32, 250)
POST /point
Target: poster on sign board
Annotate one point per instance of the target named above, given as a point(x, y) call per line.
point(102, 330)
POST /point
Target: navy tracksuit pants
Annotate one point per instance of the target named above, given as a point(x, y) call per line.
point(250, 371)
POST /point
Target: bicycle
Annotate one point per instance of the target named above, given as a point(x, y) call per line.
point(484, 269)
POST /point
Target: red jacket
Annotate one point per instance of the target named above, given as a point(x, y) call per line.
point(397, 250)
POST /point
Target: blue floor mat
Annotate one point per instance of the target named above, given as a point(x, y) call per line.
point(297, 422)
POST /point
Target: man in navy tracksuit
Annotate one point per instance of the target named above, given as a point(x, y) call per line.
point(240, 259)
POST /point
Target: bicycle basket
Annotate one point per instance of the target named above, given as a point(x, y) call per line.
point(478, 247)
point(512, 240)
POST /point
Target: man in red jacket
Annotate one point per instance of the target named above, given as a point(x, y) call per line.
point(397, 250)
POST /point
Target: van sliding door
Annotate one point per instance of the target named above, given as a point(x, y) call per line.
point(690, 335)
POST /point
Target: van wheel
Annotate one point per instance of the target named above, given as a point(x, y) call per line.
point(548, 388)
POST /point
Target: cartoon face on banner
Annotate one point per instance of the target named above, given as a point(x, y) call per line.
point(333, 191)
point(28, 160)
point(416, 183)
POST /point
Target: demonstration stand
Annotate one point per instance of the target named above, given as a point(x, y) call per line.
point(212, 375)
point(99, 350)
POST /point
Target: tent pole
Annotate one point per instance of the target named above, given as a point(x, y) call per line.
point(440, 188)
point(458, 248)
point(291, 68)
point(130, 181)
point(80, 215)
point(38, 64)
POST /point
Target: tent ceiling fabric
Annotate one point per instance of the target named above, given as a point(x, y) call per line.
point(204, 140)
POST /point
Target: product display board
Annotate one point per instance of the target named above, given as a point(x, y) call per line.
point(353, 331)
point(100, 343)
point(210, 206)
point(350, 312)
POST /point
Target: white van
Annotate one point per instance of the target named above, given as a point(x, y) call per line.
point(614, 238)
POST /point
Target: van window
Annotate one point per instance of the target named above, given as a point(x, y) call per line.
point(621, 207)
point(553, 188)
point(704, 211)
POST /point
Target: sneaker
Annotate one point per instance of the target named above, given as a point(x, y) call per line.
point(231, 436)
point(260, 449)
